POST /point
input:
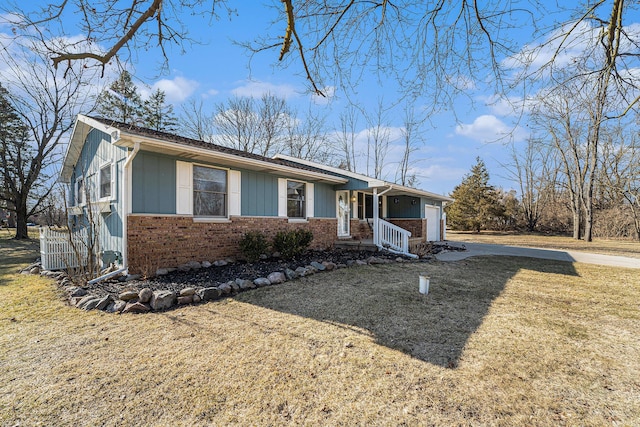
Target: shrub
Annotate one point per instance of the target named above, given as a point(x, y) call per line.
point(253, 244)
point(292, 243)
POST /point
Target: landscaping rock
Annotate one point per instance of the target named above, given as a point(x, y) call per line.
point(301, 271)
point(161, 300)
point(185, 300)
point(361, 262)
point(196, 298)
point(162, 272)
point(117, 306)
point(128, 295)
point(194, 265)
point(290, 274)
point(234, 286)
point(88, 303)
point(225, 288)
point(75, 291)
point(206, 264)
point(318, 266)
point(104, 302)
point(35, 270)
point(187, 292)
point(220, 263)
point(245, 284)
point(208, 294)
point(136, 307)
point(261, 281)
point(184, 268)
point(83, 301)
point(276, 277)
point(144, 296)
point(329, 265)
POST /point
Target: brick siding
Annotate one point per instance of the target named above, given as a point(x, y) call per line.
point(168, 241)
point(417, 227)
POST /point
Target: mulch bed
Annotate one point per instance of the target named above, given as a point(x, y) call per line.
point(215, 276)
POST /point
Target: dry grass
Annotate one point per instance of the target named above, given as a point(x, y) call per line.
point(628, 248)
point(498, 341)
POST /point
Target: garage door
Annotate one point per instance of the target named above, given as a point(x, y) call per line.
point(432, 214)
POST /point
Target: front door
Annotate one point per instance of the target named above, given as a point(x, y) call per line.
point(343, 213)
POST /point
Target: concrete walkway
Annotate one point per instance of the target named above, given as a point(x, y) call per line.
point(479, 249)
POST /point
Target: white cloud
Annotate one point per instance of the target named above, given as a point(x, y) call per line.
point(177, 89)
point(256, 89)
point(507, 106)
point(489, 128)
point(328, 91)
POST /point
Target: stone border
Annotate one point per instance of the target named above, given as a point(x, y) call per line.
point(146, 300)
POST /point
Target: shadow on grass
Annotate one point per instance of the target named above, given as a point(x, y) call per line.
point(16, 253)
point(384, 301)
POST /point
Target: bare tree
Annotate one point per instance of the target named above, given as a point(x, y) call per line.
point(47, 106)
point(411, 138)
point(621, 172)
point(346, 138)
point(254, 126)
point(534, 169)
point(307, 139)
point(194, 122)
point(378, 136)
point(237, 124)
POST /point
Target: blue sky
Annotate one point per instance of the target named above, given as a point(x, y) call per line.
point(216, 69)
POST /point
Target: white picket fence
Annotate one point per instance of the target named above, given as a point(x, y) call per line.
point(57, 250)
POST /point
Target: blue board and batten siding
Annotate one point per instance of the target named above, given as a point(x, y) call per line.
point(96, 153)
point(154, 189)
point(153, 184)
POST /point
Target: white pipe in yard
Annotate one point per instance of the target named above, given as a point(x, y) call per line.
point(424, 284)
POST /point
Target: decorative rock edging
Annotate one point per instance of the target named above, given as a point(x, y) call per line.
point(146, 300)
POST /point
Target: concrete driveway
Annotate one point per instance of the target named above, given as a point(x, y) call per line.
point(479, 249)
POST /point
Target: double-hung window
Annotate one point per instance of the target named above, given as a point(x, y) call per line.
point(79, 191)
point(106, 181)
point(296, 199)
point(209, 191)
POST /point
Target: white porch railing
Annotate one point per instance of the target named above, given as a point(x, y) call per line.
point(391, 237)
point(57, 251)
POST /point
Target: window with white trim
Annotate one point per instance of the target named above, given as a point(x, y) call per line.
point(106, 181)
point(79, 190)
point(296, 197)
point(209, 191)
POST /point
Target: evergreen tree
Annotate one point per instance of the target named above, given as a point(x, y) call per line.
point(476, 202)
point(122, 101)
point(157, 114)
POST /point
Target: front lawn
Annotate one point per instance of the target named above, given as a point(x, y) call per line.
point(498, 341)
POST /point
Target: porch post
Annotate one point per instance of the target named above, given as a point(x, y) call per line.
point(375, 216)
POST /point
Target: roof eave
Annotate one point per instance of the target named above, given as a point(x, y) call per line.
point(81, 129)
point(128, 139)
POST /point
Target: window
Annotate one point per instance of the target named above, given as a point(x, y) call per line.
point(106, 187)
point(79, 191)
point(209, 191)
point(296, 199)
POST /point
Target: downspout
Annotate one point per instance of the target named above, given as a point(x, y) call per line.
point(125, 211)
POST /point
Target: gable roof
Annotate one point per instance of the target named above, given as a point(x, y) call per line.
point(127, 135)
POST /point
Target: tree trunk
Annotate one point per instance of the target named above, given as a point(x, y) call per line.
point(576, 223)
point(21, 221)
point(588, 225)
